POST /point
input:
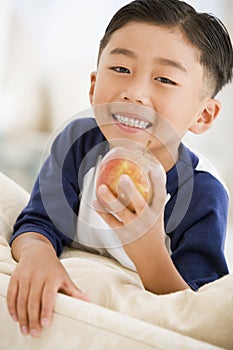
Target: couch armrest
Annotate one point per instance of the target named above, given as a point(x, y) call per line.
point(81, 325)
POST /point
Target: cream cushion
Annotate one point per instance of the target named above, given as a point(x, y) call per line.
point(121, 313)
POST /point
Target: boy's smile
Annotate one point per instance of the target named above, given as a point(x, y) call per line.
point(152, 69)
point(131, 121)
point(130, 117)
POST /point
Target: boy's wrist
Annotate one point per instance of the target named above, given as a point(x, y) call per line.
point(29, 241)
point(146, 245)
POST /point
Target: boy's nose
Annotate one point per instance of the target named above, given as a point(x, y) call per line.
point(137, 93)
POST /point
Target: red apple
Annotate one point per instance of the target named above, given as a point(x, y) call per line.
point(136, 163)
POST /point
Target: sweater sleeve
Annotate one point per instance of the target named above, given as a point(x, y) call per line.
point(54, 203)
point(197, 243)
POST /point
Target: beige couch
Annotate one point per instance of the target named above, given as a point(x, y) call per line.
point(122, 314)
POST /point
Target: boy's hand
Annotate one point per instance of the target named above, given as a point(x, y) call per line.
point(133, 225)
point(37, 278)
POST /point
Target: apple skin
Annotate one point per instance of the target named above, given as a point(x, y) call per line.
point(136, 163)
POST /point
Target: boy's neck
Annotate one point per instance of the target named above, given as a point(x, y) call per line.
point(167, 158)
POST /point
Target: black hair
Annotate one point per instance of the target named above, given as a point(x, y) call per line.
point(204, 31)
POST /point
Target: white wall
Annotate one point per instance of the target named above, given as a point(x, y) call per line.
point(48, 49)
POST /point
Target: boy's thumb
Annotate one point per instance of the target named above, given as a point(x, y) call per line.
point(73, 291)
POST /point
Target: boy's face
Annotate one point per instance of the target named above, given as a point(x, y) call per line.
point(146, 71)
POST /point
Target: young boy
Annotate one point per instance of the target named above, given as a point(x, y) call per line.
point(160, 67)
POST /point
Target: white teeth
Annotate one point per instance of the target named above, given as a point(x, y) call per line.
point(134, 123)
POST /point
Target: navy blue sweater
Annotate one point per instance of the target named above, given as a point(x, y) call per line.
point(195, 216)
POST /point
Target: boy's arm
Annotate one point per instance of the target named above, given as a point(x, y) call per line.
point(142, 235)
point(46, 224)
point(39, 275)
point(197, 241)
point(54, 203)
point(154, 264)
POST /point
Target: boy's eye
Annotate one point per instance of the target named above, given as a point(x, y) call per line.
point(120, 69)
point(165, 80)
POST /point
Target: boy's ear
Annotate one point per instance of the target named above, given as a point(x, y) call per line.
point(208, 115)
point(92, 87)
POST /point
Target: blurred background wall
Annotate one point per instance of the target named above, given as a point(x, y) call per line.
point(47, 50)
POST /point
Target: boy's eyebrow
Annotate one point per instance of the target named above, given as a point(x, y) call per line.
point(160, 60)
point(167, 62)
point(121, 51)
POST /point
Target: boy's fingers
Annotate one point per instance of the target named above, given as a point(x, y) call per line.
point(21, 304)
point(108, 200)
point(34, 309)
point(11, 298)
point(158, 179)
point(47, 304)
point(48, 300)
point(132, 196)
point(69, 288)
point(114, 211)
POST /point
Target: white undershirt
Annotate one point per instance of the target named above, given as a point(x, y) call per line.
point(93, 231)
